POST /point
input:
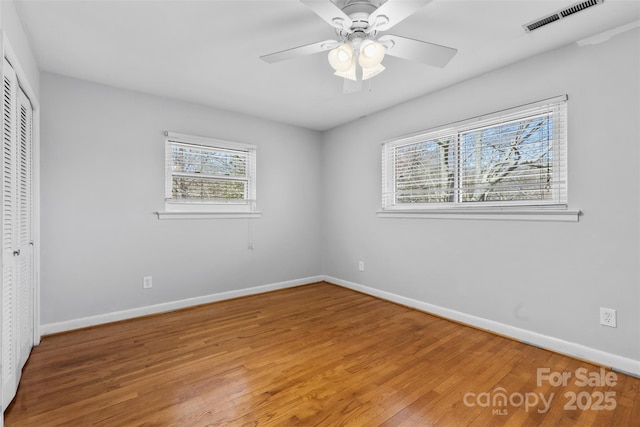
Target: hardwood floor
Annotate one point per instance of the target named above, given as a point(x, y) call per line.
point(316, 355)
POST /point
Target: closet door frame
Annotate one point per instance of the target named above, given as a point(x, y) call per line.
point(24, 84)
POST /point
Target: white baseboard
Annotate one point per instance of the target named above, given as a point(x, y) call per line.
point(618, 363)
point(52, 328)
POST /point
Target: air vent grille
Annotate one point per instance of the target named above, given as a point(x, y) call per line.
point(578, 7)
point(568, 11)
point(542, 22)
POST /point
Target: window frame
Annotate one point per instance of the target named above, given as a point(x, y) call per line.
point(555, 208)
point(211, 208)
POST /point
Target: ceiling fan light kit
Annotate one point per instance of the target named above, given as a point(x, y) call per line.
point(357, 25)
point(369, 56)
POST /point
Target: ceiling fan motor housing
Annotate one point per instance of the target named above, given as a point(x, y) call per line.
point(358, 11)
point(358, 37)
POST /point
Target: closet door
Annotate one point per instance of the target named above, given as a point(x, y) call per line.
point(9, 244)
point(24, 235)
point(17, 233)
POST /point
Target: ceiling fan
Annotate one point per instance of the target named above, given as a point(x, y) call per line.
point(358, 53)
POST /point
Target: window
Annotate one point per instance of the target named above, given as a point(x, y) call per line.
point(514, 158)
point(204, 175)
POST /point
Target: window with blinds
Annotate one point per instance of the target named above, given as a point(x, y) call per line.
point(207, 174)
point(516, 157)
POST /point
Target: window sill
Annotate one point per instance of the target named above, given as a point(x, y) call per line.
point(487, 214)
point(207, 215)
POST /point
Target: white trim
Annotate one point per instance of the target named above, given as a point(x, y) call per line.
point(36, 221)
point(487, 214)
point(68, 325)
point(210, 142)
point(197, 206)
point(207, 215)
point(571, 349)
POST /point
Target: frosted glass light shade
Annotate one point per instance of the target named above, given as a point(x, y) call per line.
point(342, 58)
point(371, 54)
point(348, 74)
point(367, 73)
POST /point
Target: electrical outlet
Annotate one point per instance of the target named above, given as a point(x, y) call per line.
point(147, 282)
point(608, 317)
point(361, 266)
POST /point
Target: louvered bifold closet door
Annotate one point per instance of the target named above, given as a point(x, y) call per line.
point(9, 244)
point(24, 229)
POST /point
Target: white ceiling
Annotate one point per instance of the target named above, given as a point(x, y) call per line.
point(206, 51)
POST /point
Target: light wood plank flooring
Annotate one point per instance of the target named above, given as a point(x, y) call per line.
point(315, 355)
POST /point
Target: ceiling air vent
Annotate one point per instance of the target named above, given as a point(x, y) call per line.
point(567, 11)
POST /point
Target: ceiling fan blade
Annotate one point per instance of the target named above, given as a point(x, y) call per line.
point(295, 52)
point(331, 13)
point(393, 12)
point(416, 50)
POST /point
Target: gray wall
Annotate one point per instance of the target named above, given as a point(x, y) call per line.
point(549, 278)
point(103, 177)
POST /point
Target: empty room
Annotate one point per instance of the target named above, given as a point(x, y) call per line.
point(320, 213)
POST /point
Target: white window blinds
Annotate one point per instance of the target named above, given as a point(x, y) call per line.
point(514, 157)
point(203, 171)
